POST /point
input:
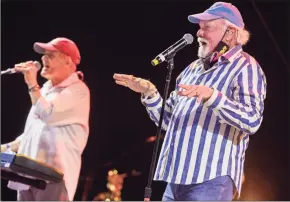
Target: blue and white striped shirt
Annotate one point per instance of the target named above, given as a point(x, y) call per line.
point(207, 140)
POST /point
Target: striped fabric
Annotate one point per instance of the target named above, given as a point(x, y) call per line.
point(206, 140)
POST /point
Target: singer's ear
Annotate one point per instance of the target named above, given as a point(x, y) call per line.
point(230, 34)
point(231, 31)
point(68, 61)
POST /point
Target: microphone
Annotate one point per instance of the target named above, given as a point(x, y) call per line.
point(169, 52)
point(12, 70)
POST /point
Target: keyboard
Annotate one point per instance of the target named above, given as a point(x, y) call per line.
point(20, 168)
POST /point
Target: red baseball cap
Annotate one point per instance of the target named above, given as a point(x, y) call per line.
point(61, 44)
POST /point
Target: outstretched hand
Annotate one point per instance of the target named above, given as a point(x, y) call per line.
point(138, 85)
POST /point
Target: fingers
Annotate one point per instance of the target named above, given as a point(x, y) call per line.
point(190, 91)
point(200, 98)
point(136, 84)
point(20, 66)
point(122, 83)
point(124, 77)
point(24, 66)
point(126, 80)
point(186, 87)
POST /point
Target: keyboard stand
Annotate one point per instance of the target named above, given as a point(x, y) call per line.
point(39, 184)
point(22, 169)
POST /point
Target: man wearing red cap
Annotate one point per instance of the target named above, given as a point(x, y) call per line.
point(56, 130)
point(217, 103)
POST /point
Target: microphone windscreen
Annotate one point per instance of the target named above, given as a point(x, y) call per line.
point(37, 64)
point(188, 38)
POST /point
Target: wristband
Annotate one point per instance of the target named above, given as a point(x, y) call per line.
point(34, 88)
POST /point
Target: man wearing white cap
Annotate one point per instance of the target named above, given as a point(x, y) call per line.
point(217, 104)
point(56, 130)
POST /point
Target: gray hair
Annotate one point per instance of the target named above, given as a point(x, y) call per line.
point(243, 35)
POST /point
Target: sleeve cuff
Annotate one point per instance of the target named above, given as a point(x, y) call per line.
point(216, 100)
point(150, 100)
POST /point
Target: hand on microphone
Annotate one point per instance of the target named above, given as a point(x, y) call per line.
point(138, 85)
point(29, 70)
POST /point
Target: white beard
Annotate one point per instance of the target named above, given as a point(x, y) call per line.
point(203, 50)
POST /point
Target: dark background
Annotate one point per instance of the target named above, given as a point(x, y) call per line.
point(123, 37)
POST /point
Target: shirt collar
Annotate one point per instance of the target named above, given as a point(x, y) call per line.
point(230, 55)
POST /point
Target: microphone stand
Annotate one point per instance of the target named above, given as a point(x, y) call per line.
point(170, 66)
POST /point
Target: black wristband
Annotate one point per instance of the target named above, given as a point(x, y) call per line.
point(34, 88)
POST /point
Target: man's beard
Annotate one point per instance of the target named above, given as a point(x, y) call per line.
point(204, 48)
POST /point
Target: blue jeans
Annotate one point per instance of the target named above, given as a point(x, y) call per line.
point(218, 189)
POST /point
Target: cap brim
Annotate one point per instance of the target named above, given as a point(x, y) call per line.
point(196, 18)
point(42, 47)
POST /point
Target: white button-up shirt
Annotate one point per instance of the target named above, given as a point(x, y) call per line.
point(57, 129)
